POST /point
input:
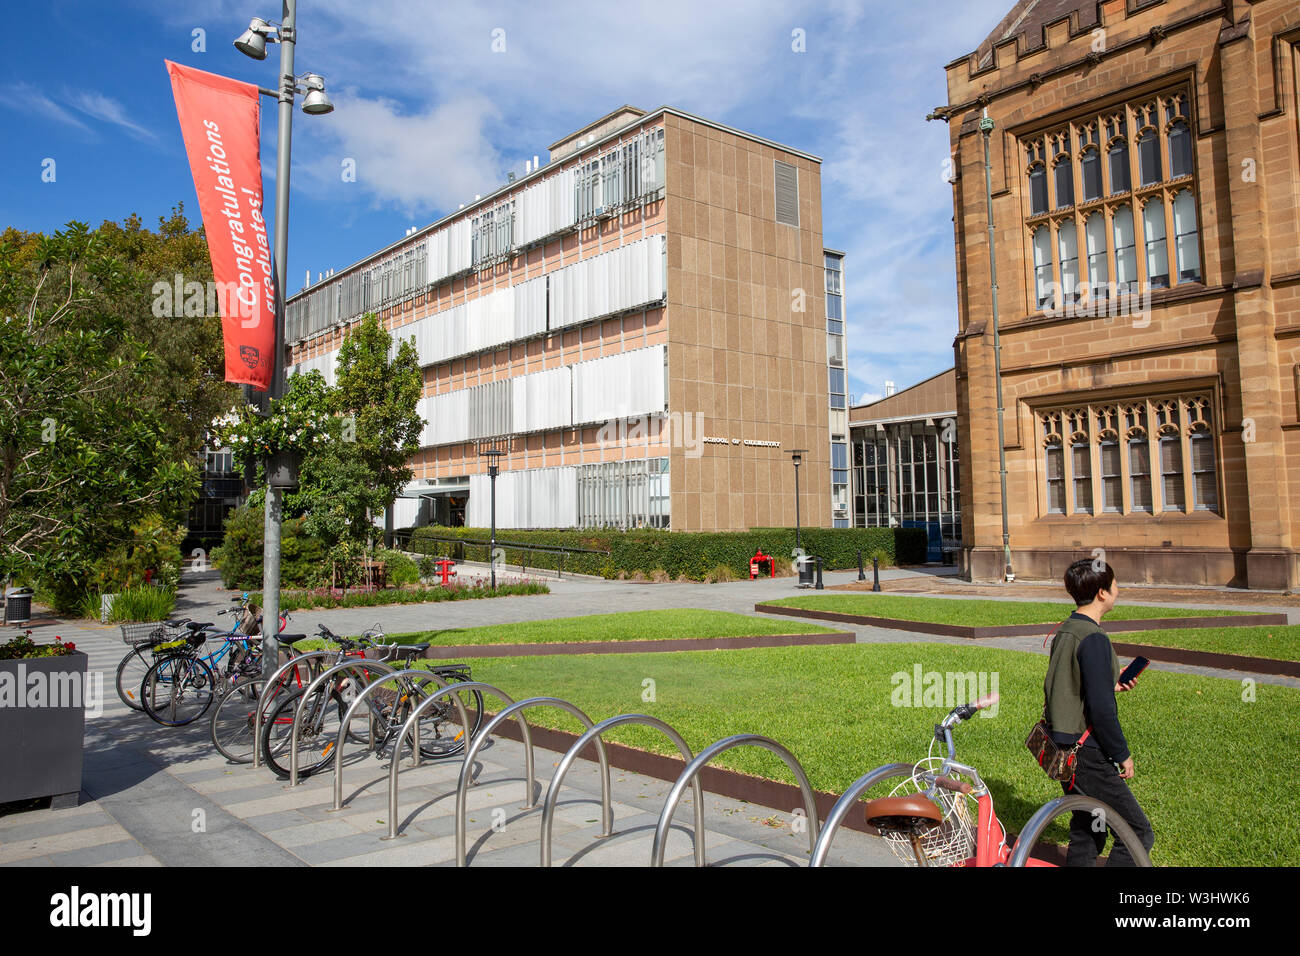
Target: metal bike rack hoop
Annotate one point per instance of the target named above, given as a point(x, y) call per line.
point(411, 726)
point(428, 677)
point(1065, 804)
point(607, 812)
point(553, 791)
point(698, 764)
point(845, 803)
point(262, 697)
point(356, 663)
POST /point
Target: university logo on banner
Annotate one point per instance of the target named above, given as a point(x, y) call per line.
point(219, 121)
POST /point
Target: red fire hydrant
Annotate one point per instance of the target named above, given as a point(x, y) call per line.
point(756, 564)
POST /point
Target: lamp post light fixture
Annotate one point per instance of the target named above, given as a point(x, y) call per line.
point(796, 455)
point(494, 469)
point(252, 42)
point(986, 128)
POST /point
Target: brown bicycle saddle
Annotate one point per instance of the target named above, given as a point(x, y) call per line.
point(909, 814)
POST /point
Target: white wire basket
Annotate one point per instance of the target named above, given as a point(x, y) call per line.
point(952, 841)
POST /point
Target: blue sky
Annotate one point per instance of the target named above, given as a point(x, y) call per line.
point(432, 116)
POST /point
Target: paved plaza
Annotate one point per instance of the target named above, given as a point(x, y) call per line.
point(158, 796)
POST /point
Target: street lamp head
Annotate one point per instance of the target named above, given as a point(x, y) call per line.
point(252, 42)
point(796, 455)
point(316, 103)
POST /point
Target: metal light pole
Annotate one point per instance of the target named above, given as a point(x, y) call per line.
point(494, 469)
point(986, 127)
point(796, 455)
point(253, 43)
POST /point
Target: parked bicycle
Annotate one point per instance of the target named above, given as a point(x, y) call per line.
point(935, 818)
point(234, 719)
point(386, 710)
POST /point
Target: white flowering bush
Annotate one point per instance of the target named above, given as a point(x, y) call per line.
point(299, 422)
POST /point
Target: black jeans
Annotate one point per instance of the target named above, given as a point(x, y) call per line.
point(1095, 776)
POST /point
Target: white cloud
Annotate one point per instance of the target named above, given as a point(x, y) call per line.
point(28, 99)
point(109, 110)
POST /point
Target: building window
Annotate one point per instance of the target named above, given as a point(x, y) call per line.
point(1153, 228)
point(1167, 432)
point(1038, 190)
point(1090, 166)
point(837, 387)
point(1068, 246)
point(1186, 243)
point(1164, 215)
point(1098, 269)
point(1043, 266)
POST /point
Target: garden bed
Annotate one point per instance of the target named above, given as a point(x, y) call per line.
point(331, 598)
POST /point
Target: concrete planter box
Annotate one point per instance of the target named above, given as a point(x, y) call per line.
point(42, 728)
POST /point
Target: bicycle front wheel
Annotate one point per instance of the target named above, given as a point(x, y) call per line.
point(441, 734)
point(130, 675)
point(177, 690)
point(234, 719)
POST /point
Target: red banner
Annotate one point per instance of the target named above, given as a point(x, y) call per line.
point(219, 121)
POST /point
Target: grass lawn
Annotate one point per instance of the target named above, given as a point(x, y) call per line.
point(1200, 749)
point(976, 613)
point(1280, 642)
point(674, 624)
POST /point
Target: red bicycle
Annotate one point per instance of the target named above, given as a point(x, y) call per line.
point(942, 813)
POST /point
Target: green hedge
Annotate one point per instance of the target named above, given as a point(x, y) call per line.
point(690, 554)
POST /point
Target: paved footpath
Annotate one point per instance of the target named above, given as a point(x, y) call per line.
point(163, 796)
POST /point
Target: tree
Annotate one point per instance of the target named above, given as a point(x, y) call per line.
point(358, 476)
point(81, 459)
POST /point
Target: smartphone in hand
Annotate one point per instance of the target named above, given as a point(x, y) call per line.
point(1133, 670)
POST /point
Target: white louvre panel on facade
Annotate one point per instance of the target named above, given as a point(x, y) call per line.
point(536, 498)
point(446, 418)
point(545, 209)
point(619, 386)
point(325, 364)
point(623, 278)
point(491, 409)
point(530, 308)
point(543, 400)
point(490, 320)
point(405, 512)
point(450, 250)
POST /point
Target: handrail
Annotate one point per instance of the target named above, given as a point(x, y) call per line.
point(350, 664)
point(514, 545)
point(412, 726)
point(1076, 801)
point(262, 698)
point(607, 812)
point(845, 803)
point(347, 722)
point(553, 791)
point(698, 764)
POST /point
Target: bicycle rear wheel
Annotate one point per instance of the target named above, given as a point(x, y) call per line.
point(322, 717)
point(177, 690)
point(441, 734)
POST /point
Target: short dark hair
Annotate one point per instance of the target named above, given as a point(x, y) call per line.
point(1086, 577)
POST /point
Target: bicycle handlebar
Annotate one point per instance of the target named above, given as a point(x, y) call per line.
point(957, 786)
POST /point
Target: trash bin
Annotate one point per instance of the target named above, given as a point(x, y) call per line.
point(18, 605)
point(807, 570)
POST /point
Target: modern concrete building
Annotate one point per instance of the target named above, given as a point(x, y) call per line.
point(1146, 202)
point(640, 323)
point(906, 464)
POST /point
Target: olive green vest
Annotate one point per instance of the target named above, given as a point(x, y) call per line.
point(1063, 686)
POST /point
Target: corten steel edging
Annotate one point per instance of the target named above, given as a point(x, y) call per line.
point(717, 780)
point(1231, 662)
point(637, 647)
point(1024, 630)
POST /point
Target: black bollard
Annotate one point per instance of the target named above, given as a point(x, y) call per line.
point(875, 573)
point(820, 586)
point(862, 575)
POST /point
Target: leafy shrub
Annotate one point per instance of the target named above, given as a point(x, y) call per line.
point(239, 558)
point(428, 569)
point(153, 555)
point(143, 603)
point(398, 568)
